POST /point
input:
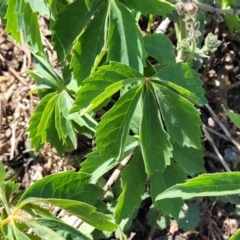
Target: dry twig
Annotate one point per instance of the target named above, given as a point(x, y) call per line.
point(228, 134)
point(215, 149)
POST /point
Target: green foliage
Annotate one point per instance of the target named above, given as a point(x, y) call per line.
point(151, 116)
point(217, 184)
point(161, 181)
point(235, 236)
point(160, 48)
point(189, 216)
point(51, 189)
point(161, 7)
point(130, 197)
point(234, 117)
point(3, 10)
point(152, 134)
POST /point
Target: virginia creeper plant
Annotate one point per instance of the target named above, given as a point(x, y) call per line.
point(154, 123)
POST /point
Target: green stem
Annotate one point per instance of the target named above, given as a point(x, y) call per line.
point(180, 34)
point(191, 55)
point(5, 221)
point(4, 202)
point(150, 21)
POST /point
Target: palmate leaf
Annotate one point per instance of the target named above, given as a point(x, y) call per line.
point(97, 166)
point(125, 42)
point(63, 229)
point(68, 190)
point(160, 47)
point(12, 20)
point(3, 10)
point(133, 179)
point(160, 7)
point(136, 118)
point(154, 140)
point(66, 32)
point(181, 118)
point(38, 211)
point(65, 103)
point(182, 75)
point(91, 3)
point(113, 129)
point(39, 6)
point(64, 185)
point(189, 159)
point(82, 210)
point(42, 231)
point(189, 216)
point(45, 76)
point(20, 235)
point(89, 46)
point(28, 25)
point(217, 184)
point(112, 78)
point(160, 182)
point(51, 122)
point(34, 121)
point(21, 20)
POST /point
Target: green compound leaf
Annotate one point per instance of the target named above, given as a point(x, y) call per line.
point(234, 117)
point(41, 231)
point(160, 182)
point(112, 78)
point(136, 118)
point(89, 46)
point(65, 103)
point(160, 47)
point(97, 166)
point(66, 190)
point(182, 75)
point(49, 123)
point(66, 32)
point(113, 129)
point(91, 3)
point(189, 216)
point(45, 76)
point(35, 119)
point(87, 193)
point(130, 198)
point(39, 6)
point(189, 159)
point(63, 229)
point(181, 118)
point(160, 7)
point(64, 185)
point(45, 116)
point(3, 11)
point(82, 210)
point(28, 24)
point(19, 235)
point(12, 20)
point(155, 143)
point(217, 184)
point(124, 39)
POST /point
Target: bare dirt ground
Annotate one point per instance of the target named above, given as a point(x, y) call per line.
point(218, 218)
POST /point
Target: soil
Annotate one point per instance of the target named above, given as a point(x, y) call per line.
point(218, 218)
